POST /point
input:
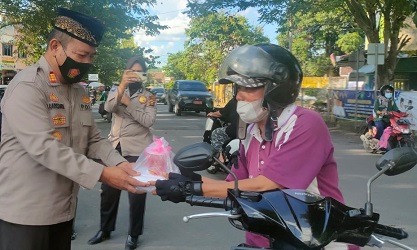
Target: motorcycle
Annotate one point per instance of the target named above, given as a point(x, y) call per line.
point(230, 147)
point(397, 134)
point(298, 219)
point(107, 116)
point(92, 99)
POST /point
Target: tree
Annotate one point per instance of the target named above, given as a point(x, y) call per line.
point(34, 20)
point(373, 17)
point(172, 68)
point(384, 17)
point(209, 40)
point(309, 29)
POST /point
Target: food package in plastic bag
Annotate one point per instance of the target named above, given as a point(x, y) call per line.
point(155, 162)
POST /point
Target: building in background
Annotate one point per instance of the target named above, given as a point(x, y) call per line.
point(11, 61)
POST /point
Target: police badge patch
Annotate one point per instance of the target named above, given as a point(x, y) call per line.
point(57, 135)
point(59, 119)
point(142, 99)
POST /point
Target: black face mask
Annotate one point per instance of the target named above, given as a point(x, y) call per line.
point(134, 87)
point(73, 71)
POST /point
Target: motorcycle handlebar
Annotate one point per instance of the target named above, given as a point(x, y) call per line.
point(393, 232)
point(202, 201)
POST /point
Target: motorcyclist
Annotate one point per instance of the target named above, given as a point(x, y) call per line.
point(105, 94)
point(384, 104)
point(229, 115)
point(286, 146)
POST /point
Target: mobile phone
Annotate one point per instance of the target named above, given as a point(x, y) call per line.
point(141, 76)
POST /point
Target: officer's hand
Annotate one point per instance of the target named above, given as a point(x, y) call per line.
point(128, 168)
point(118, 178)
point(175, 189)
point(127, 78)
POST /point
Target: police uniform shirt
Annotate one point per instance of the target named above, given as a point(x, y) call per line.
point(131, 124)
point(48, 130)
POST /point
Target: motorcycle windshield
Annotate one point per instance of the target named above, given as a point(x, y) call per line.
point(302, 219)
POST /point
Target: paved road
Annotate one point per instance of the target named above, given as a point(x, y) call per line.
point(394, 197)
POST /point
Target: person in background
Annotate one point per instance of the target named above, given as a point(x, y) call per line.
point(384, 104)
point(286, 146)
point(105, 94)
point(221, 135)
point(134, 110)
point(48, 137)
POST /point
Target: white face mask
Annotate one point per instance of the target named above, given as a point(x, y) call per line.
point(251, 112)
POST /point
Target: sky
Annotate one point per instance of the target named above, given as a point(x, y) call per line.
point(172, 39)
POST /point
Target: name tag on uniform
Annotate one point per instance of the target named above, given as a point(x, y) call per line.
point(54, 105)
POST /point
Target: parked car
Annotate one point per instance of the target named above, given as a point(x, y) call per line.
point(189, 95)
point(160, 94)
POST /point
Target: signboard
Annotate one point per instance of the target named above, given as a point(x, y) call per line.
point(344, 104)
point(406, 102)
point(93, 77)
point(7, 62)
point(376, 54)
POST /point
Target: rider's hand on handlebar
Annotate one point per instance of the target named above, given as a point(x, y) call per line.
point(176, 188)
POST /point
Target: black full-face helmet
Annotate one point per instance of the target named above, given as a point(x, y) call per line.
point(266, 65)
point(385, 88)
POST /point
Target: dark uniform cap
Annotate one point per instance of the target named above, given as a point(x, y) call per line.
point(79, 26)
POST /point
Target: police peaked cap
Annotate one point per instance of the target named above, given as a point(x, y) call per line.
point(79, 26)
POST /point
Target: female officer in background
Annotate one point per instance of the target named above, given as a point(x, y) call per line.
point(134, 112)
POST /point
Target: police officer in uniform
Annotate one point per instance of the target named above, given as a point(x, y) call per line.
point(48, 138)
point(134, 110)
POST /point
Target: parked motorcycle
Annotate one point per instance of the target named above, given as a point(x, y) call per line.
point(298, 219)
point(399, 133)
point(230, 147)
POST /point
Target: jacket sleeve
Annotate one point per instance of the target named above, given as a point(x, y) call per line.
point(394, 106)
point(111, 102)
point(37, 140)
point(144, 114)
point(376, 105)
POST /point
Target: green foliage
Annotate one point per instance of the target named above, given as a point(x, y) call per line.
point(381, 21)
point(308, 28)
point(173, 66)
point(209, 40)
point(350, 42)
point(35, 19)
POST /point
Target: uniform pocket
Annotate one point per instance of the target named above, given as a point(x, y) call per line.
point(86, 118)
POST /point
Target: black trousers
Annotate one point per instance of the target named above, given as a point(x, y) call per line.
point(109, 206)
point(24, 237)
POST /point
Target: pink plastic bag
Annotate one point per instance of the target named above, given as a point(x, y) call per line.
point(154, 162)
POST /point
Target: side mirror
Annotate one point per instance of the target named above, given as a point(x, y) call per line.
point(196, 157)
point(402, 160)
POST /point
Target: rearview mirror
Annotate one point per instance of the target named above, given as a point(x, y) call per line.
point(403, 159)
point(196, 157)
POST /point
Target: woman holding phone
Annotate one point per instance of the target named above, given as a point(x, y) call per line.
point(134, 112)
